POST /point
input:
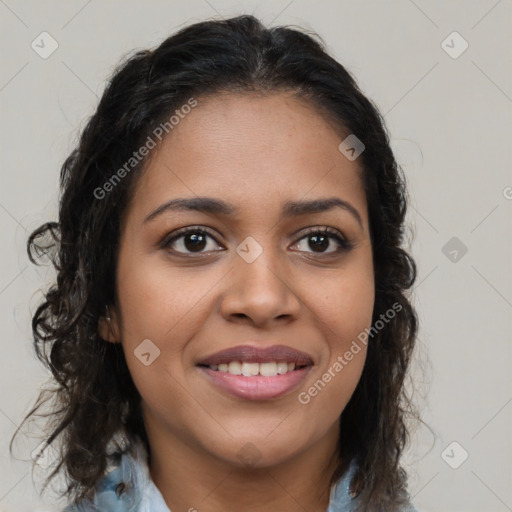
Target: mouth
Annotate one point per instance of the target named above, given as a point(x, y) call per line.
point(256, 373)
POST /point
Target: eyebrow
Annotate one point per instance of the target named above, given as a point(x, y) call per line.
point(219, 207)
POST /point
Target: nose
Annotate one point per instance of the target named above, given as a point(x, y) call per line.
point(260, 293)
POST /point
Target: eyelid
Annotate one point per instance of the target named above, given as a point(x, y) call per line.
point(320, 229)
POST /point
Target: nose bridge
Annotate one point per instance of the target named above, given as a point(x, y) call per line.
point(259, 267)
point(259, 287)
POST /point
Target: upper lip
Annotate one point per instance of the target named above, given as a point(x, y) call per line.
point(252, 354)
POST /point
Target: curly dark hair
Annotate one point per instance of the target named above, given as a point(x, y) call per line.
point(93, 396)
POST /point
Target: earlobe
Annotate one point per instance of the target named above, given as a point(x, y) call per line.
point(107, 327)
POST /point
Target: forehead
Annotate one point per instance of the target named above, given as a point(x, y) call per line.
point(249, 148)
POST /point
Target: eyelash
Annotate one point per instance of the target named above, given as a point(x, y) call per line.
point(344, 244)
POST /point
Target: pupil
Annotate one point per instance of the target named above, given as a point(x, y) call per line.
point(324, 242)
point(195, 241)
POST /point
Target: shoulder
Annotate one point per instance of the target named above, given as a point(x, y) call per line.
point(115, 492)
point(342, 500)
point(125, 486)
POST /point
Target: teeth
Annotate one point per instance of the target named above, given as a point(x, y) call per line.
point(235, 368)
point(270, 369)
point(282, 368)
point(249, 369)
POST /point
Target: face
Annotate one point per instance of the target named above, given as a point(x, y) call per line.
point(255, 285)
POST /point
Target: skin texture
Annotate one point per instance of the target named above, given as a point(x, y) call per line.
point(255, 152)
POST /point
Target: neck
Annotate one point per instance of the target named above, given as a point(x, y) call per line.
point(190, 479)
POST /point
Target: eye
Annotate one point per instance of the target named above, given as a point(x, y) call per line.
point(190, 240)
point(199, 240)
point(320, 241)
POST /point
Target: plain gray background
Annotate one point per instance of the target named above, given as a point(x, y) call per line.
point(449, 116)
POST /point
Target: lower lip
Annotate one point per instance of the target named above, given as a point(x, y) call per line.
point(257, 387)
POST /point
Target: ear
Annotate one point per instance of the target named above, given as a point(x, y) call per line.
point(108, 328)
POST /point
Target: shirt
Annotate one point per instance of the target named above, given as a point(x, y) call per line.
point(127, 487)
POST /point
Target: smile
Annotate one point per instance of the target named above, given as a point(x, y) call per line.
point(270, 369)
point(256, 387)
point(256, 372)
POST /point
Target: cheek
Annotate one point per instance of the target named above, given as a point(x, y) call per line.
point(346, 314)
point(344, 304)
point(167, 306)
point(160, 302)
point(343, 314)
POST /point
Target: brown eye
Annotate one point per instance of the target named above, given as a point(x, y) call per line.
point(324, 241)
point(194, 240)
point(319, 243)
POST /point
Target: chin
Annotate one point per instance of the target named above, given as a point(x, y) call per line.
point(258, 454)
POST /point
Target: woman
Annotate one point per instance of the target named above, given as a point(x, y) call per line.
point(229, 328)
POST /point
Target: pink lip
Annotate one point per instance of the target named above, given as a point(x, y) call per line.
point(257, 387)
point(252, 354)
